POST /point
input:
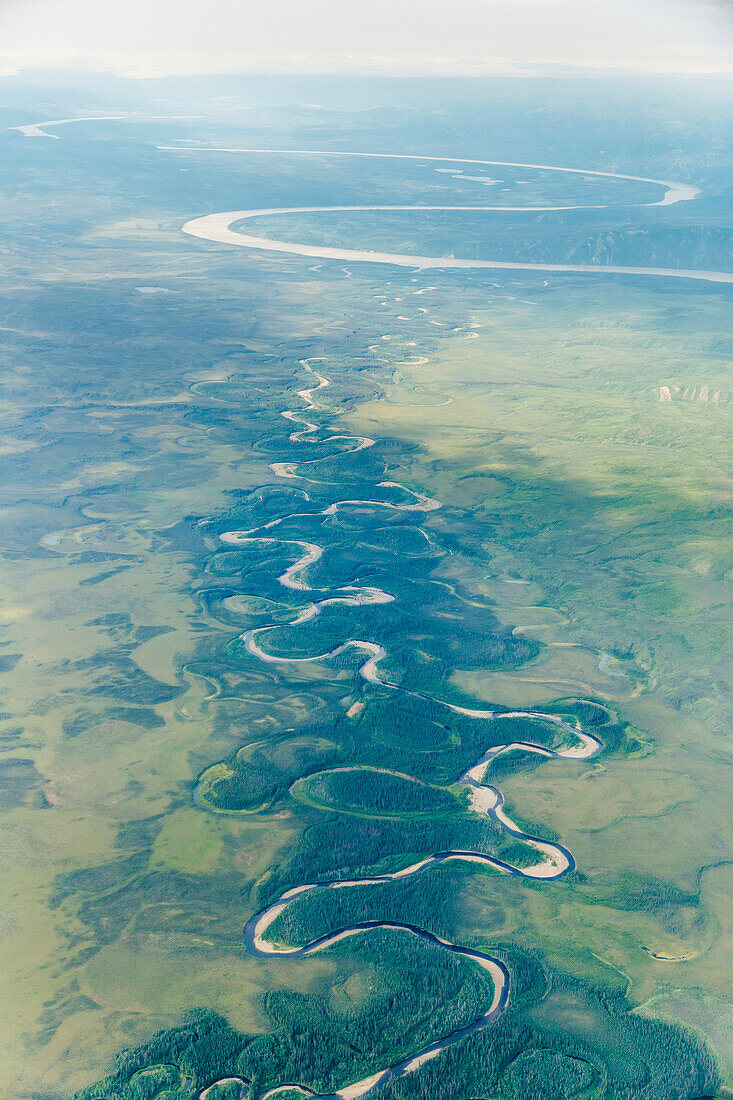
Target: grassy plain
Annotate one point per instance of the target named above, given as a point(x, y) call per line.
point(604, 502)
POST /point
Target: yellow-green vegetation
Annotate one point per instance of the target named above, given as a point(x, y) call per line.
point(566, 414)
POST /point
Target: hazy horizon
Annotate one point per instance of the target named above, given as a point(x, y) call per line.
point(402, 37)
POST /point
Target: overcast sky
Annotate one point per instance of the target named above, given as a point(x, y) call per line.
point(158, 37)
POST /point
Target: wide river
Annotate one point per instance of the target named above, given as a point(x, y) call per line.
point(218, 227)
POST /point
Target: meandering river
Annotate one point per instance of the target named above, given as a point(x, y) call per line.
point(550, 860)
point(553, 859)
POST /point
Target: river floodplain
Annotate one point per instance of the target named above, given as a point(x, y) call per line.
point(364, 643)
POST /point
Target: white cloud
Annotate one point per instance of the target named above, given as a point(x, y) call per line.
point(146, 37)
